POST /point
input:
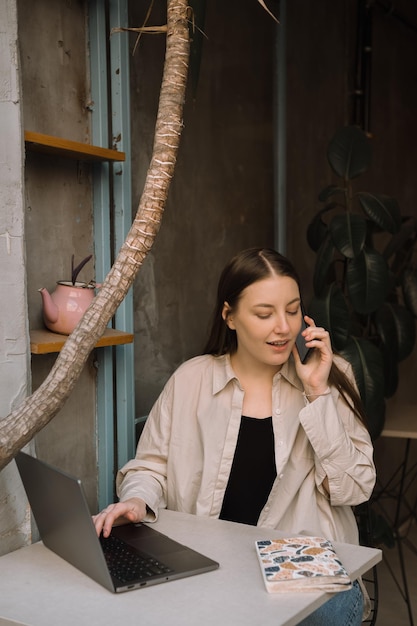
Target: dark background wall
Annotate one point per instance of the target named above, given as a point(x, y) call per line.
point(322, 39)
point(321, 94)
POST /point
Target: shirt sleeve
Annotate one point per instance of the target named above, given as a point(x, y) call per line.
point(342, 447)
point(145, 476)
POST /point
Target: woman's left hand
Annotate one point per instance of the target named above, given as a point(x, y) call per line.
point(314, 373)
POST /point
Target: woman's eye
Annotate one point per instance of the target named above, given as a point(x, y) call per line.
point(293, 312)
point(263, 317)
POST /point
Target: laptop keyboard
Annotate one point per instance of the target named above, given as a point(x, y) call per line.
point(126, 564)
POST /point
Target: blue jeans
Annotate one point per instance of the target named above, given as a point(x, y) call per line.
point(345, 608)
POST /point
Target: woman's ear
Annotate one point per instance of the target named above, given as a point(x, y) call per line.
point(226, 315)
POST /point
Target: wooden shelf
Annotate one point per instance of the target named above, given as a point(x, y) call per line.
point(44, 341)
point(37, 142)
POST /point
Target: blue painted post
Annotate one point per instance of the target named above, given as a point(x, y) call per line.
point(122, 190)
point(101, 191)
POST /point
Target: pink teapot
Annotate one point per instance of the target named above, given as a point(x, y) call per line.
point(63, 309)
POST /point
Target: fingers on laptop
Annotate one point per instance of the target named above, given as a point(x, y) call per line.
point(105, 519)
point(132, 510)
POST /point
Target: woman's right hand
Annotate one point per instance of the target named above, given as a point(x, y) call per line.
point(132, 510)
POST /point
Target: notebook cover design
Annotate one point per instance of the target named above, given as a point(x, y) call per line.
point(301, 564)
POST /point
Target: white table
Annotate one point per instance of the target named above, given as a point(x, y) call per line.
point(40, 589)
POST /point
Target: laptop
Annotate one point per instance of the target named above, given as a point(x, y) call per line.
point(135, 556)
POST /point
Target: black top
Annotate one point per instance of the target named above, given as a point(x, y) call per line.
point(253, 472)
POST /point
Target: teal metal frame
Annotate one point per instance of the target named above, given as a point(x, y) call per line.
point(122, 193)
point(112, 199)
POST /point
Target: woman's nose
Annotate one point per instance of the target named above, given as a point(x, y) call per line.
point(281, 325)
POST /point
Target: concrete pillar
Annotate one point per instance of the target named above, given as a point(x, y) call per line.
point(14, 337)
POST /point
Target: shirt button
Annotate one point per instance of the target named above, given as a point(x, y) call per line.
point(280, 442)
point(277, 411)
point(281, 476)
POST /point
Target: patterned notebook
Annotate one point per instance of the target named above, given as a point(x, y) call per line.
point(301, 564)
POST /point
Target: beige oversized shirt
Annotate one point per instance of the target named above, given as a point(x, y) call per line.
point(185, 453)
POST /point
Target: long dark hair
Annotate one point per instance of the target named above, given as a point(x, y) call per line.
point(243, 270)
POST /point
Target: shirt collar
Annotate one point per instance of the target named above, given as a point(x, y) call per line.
point(288, 372)
point(223, 373)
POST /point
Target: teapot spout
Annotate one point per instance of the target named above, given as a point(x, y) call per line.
point(50, 309)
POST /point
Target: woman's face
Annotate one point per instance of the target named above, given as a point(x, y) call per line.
point(267, 320)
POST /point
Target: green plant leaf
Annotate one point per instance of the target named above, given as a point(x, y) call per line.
point(323, 265)
point(396, 327)
point(331, 312)
point(391, 375)
point(406, 233)
point(409, 287)
point(349, 152)
point(382, 210)
point(368, 368)
point(406, 329)
point(367, 281)
point(330, 191)
point(316, 232)
point(348, 232)
point(386, 329)
point(318, 228)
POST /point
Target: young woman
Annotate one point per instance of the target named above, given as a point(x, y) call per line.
point(248, 433)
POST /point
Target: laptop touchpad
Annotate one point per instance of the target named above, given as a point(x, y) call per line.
point(147, 539)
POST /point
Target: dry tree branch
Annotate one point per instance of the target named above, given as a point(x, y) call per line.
point(262, 3)
point(151, 30)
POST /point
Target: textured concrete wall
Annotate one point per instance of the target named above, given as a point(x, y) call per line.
point(14, 354)
point(58, 207)
point(221, 198)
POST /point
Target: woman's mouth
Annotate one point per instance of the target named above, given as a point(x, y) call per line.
point(278, 345)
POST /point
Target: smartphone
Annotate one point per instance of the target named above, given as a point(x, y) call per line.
point(303, 351)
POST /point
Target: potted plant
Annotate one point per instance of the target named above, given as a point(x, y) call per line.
point(365, 276)
point(63, 309)
point(77, 269)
